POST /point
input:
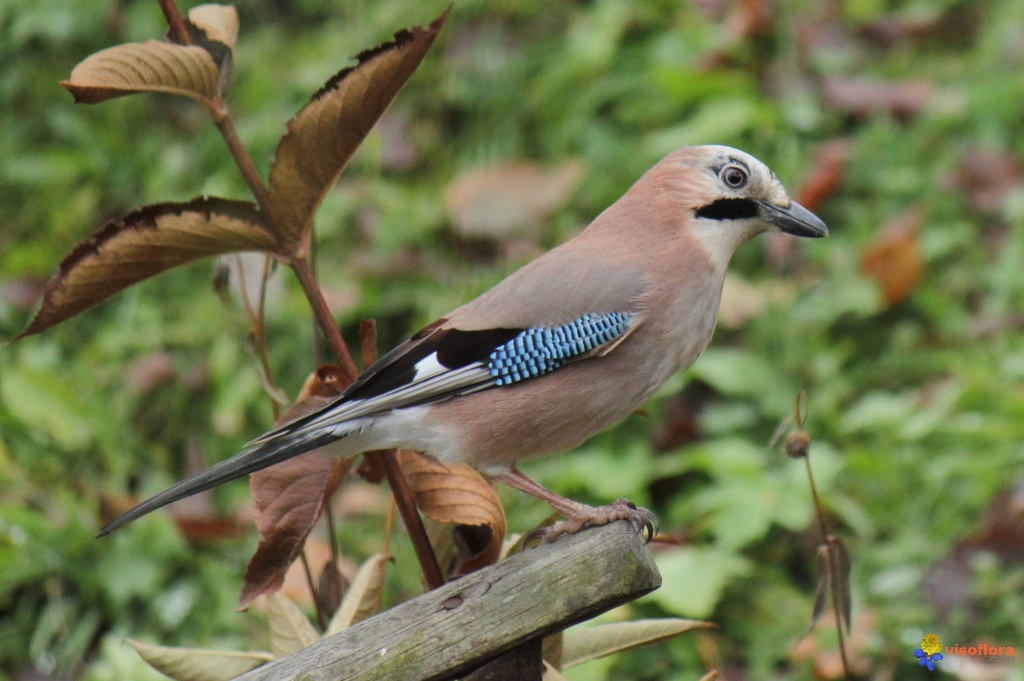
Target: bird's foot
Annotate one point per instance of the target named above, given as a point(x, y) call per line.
point(621, 509)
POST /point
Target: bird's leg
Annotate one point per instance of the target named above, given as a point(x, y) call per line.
point(580, 515)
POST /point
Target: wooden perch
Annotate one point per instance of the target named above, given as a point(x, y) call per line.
point(458, 627)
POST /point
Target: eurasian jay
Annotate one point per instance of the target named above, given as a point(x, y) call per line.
point(560, 350)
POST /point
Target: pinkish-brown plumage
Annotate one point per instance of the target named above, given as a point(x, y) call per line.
point(656, 258)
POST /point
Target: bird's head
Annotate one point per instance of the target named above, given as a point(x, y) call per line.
point(731, 197)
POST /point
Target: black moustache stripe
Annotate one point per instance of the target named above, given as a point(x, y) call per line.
point(728, 209)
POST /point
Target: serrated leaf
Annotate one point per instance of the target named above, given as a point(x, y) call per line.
point(588, 643)
point(143, 243)
point(363, 598)
point(322, 137)
point(151, 66)
point(194, 664)
point(290, 631)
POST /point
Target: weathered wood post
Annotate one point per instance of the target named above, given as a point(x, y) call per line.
point(448, 632)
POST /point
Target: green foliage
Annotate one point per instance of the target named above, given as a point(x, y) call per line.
point(914, 408)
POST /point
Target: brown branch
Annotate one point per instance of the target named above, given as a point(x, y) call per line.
point(176, 31)
point(386, 460)
point(222, 119)
point(324, 319)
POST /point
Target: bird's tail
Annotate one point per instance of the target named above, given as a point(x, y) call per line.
point(259, 455)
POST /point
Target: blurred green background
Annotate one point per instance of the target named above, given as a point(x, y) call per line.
point(901, 123)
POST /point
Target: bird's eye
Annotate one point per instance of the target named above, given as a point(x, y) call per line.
point(734, 176)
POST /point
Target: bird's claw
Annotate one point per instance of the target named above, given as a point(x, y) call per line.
point(642, 520)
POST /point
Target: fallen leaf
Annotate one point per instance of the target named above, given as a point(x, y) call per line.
point(894, 259)
point(151, 66)
point(828, 168)
point(195, 664)
point(458, 495)
point(582, 644)
point(988, 178)
point(322, 137)
point(143, 243)
point(290, 630)
point(865, 97)
point(509, 199)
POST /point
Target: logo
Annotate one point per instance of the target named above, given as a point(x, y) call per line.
point(929, 652)
point(931, 649)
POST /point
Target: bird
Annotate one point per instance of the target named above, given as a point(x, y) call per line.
point(563, 348)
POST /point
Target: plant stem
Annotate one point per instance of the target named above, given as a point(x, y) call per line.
point(222, 119)
point(324, 319)
point(176, 27)
point(833, 575)
point(320, 618)
point(386, 459)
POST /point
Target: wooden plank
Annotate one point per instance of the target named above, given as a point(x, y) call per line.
point(522, 663)
point(456, 628)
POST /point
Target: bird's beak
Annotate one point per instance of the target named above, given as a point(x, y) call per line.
point(793, 219)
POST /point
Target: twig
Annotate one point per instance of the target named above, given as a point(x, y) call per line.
point(218, 109)
point(832, 562)
point(176, 30)
point(320, 619)
point(258, 331)
point(324, 319)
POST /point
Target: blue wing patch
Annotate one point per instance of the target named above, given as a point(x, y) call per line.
point(539, 350)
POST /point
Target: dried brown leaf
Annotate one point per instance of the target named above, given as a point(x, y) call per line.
point(218, 22)
point(290, 630)
point(509, 199)
point(215, 29)
point(330, 587)
point(151, 66)
point(143, 243)
point(290, 496)
point(823, 589)
point(194, 664)
point(364, 595)
point(458, 495)
point(321, 139)
point(894, 259)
